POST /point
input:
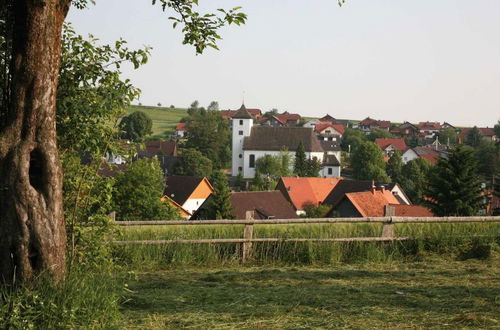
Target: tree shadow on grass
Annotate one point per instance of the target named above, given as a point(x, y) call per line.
point(270, 293)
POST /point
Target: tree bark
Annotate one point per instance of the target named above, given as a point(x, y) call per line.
point(32, 231)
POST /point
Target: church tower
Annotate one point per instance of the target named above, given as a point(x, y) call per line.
point(241, 123)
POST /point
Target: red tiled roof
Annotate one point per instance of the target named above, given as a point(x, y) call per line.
point(384, 123)
point(429, 125)
point(323, 125)
point(380, 123)
point(284, 117)
point(367, 121)
point(411, 211)
point(485, 131)
point(306, 190)
point(383, 143)
point(181, 127)
point(368, 203)
point(153, 148)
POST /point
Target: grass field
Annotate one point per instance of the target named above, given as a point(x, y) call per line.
point(459, 240)
point(164, 119)
point(435, 293)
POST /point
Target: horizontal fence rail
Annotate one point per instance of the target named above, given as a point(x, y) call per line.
point(391, 219)
point(387, 234)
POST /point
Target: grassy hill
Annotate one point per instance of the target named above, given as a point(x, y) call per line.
point(164, 119)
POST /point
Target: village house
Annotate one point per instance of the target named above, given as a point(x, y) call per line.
point(187, 192)
point(281, 120)
point(164, 151)
point(406, 130)
point(446, 125)
point(375, 203)
point(389, 146)
point(487, 134)
point(351, 186)
point(426, 153)
point(263, 204)
point(181, 130)
point(253, 142)
point(428, 130)
point(328, 129)
point(368, 125)
point(302, 192)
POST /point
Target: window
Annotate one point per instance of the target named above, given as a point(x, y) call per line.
point(330, 171)
point(241, 122)
point(240, 169)
point(251, 161)
point(240, 132)
point(240, 156)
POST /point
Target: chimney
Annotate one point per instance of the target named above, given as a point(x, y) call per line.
point(372, 189)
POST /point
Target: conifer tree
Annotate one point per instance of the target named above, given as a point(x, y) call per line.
point(454, 187)
point(395, 167)
point(300, 167)
point(220, 204)
point(473, 137)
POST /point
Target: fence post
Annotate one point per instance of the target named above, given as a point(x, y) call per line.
point(247, 234)
point(112, 215)
point(388, 227)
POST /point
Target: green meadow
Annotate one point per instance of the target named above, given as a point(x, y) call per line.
point(164, 118)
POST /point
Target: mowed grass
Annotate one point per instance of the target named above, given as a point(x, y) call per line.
point(164, 119)
point(435, 293)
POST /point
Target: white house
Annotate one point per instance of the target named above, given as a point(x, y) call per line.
point(253, 142)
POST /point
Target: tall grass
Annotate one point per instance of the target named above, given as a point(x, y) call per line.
point(454, 240)
point(85, 300)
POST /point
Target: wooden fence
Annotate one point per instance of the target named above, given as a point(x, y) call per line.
point(387, 234)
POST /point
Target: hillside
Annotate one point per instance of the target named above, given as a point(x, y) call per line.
point(164, 118)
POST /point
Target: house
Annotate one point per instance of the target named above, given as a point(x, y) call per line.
point(446, 125)
point(487, 134)
point(157, 148)
point(303, 191)
point(329, 129)
point(330, 167)
point(125, 155)
point(188, 192)
point(110, 170)
point(427, 153)
point(389, 146)
point(375, 203)
point(328, 118)
point(351, 186)
point(280, 120)
point(181, 130)
point(428, 130)
point(405, 130)
point(312, 123)
point(263, 204)
point(368, 125)
point(251, 142)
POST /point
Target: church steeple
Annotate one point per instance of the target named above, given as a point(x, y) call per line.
point(242, 113)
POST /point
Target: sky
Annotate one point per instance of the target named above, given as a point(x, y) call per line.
point(404, 60)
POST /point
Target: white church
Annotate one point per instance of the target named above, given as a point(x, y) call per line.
point(252, 142)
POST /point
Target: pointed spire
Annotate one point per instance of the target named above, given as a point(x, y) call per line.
point(242, 113)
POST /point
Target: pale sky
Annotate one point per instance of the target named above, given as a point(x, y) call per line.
point(415, 60)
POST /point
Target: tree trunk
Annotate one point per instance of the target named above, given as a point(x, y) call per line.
point(32, 232)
